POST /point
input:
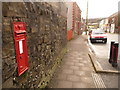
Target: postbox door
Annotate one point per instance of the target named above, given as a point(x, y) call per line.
point(21, 57)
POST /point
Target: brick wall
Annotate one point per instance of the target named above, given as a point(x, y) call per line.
point(46, 38)
point(76, 18)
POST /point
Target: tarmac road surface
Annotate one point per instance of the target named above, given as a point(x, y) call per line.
point(102, 51)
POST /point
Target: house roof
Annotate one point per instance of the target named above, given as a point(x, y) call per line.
point(113, 15)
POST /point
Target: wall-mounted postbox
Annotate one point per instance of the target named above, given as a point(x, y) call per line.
point(20, 46)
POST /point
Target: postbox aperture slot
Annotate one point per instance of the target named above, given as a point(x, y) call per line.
point(20, 33)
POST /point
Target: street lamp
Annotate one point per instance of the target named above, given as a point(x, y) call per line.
point(86, 28)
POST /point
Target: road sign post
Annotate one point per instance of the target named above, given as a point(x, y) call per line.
point(114, 54)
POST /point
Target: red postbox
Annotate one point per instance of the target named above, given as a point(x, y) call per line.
point(20, 46)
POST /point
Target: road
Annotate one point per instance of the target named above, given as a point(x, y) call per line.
point(102, 51)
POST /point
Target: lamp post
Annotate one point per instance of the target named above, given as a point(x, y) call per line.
point(86, 28)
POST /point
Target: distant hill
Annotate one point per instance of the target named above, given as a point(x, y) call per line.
point(94, 20)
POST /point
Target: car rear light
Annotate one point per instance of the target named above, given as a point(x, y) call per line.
point(93, 37)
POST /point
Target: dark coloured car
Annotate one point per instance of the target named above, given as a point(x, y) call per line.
point(98, 36)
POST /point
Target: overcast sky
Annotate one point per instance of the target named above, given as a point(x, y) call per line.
point(98, 8)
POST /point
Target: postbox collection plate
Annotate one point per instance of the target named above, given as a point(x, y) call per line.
point(19, 29)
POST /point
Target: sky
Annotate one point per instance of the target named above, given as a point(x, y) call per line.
point(98, 8)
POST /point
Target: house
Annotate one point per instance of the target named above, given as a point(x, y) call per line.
point(73, 20)
point(113, 23)
point(104, 25)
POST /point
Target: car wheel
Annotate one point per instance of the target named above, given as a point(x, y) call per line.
point(105, 41)
point(91, 41)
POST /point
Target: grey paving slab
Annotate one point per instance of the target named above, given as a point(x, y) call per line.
point(65, 67)
point(82, 85)
point(79, 64)
point(86, 79)
point(67, 71)
point(82, 73)
point(62, 77)
point(69, 63)
point(74, 67)
point(64, 84)
point(73, 78)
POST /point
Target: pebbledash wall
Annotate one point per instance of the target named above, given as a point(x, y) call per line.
point(46, 41)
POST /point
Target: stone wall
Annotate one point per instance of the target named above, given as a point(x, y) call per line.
point(46, 38)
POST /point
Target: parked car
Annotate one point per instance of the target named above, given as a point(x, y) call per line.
point(98, 36)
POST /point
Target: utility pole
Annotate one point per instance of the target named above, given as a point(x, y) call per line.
point(86, 29)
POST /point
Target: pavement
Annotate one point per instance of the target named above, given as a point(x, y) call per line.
point(76, 69)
